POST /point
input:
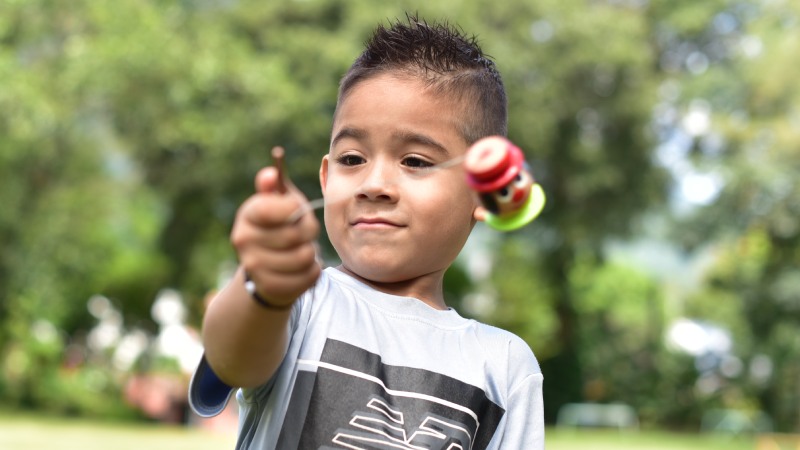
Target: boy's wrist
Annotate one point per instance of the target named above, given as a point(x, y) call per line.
point(250, 287)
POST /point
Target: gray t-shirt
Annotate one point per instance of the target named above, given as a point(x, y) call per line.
point(369, 370)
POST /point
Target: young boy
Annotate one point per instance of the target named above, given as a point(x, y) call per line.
point(367, 355)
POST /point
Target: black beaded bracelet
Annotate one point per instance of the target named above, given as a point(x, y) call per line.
point(250, 287)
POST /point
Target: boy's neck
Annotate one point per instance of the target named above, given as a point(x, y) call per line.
point(427, 288)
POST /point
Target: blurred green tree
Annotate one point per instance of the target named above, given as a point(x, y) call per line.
point(582, 79)
point(131, 131)
point(70, 224)
point(183, 100)
point(747, 105)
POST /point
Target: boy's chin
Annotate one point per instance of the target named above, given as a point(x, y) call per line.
point(380, 274)
point(370, 274)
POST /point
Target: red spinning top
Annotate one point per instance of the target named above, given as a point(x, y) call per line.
point(492, 163)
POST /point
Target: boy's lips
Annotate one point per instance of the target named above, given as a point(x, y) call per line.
point(375, 222)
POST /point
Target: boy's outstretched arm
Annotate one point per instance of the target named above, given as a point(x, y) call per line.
point(245, 341)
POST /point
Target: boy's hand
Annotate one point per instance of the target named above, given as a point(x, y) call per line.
point(277, 250)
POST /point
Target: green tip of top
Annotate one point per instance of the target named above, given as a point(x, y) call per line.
point(524, 216)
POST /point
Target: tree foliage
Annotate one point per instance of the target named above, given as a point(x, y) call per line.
point(749, 144)
point(131, 131)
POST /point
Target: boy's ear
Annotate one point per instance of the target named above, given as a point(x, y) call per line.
point(323, 174)
point(479, 213)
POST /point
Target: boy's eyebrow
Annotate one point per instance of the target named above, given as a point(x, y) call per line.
point(403, 136)
point(410, 137)
point(348, 132)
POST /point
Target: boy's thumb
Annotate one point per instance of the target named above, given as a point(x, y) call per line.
point(273, 179)
point(267, 180)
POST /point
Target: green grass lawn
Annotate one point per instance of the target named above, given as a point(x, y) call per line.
point(557, 439)
point(36, 433)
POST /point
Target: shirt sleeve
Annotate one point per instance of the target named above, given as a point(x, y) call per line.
point(524, 426)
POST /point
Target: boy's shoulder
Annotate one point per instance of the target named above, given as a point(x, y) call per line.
point(498, 345)
point(515, 349)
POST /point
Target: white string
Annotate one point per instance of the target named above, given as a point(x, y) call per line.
point(321, 202)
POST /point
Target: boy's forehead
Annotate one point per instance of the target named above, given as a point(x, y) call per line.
point(425, 86)
point(452, 106)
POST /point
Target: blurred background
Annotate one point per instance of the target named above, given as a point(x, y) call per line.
point(659, 289)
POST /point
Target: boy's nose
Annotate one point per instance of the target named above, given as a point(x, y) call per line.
point(378, 184)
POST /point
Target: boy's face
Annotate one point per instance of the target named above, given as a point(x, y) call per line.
point(390, 217)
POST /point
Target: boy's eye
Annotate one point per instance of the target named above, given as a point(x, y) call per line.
point(415, 162)
point(350, 160)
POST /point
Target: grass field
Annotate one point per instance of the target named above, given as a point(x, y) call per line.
point(649, 440)
point(35, 433)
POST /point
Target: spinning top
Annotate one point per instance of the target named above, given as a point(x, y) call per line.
point(497, 171)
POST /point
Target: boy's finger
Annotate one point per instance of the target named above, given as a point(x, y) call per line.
point(270, 179)
point(269, 210)
point(277, 212)
point(288, 261)
point(278, 237)
point(284, 288)
point(267, 180)
point(273, 178)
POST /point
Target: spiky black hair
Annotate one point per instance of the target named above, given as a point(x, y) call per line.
point(449, 61)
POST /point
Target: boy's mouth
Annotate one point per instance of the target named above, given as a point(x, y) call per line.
point(375, 222)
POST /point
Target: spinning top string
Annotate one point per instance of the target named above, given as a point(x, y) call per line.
point(495, 170)
point(320, 202)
